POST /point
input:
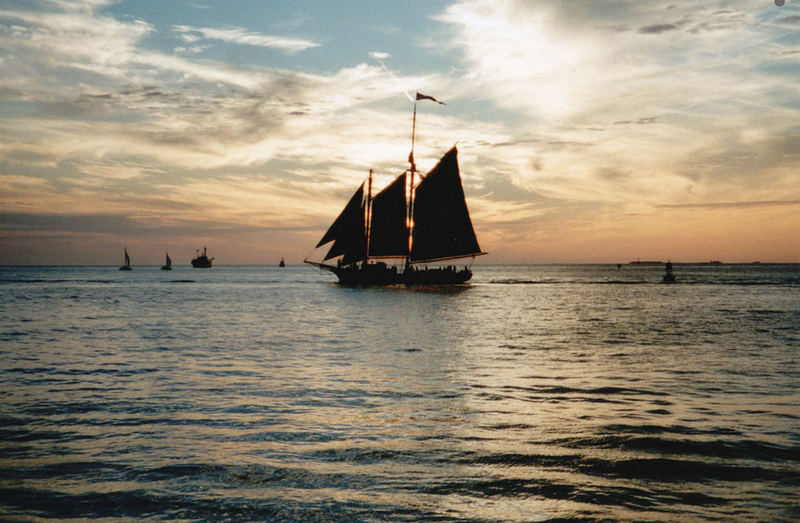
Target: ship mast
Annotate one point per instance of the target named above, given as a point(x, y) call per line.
point(369, 217)
point(412, 169)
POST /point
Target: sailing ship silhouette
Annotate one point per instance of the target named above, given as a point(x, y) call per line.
point(418, 224)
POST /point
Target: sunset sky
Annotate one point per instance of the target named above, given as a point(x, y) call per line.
point(587, 131)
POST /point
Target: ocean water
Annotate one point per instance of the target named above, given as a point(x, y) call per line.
point(536, 393)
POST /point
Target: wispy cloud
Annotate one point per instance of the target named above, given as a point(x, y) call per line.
point(238, 35)
point(793, 19)
point(658, 28)
point(729, 205)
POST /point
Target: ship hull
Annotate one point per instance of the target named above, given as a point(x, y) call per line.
point(379, 274)
point(199, 263)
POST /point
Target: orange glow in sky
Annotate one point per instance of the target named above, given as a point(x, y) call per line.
point(587, 132)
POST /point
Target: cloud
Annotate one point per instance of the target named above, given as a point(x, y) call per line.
point(79, 41)
point(569, 70)
point(238, 35)
point(556, 61)
point(379, 55)
point(94, 223)
point(76, 39)
point(658, 28)
point(730, 205)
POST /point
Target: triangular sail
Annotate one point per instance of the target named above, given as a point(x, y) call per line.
point(347, 231)
point(127, 258)
point(169, 261)
point(388, 233)
point(442, 226)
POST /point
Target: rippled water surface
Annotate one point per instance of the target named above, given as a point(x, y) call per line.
point(535, 393)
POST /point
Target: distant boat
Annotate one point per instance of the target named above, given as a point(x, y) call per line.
point(127, 266)
point(648, 262)
point(282, 263)
point(668, 276)
point(168, 265)
point(202, 261)
point(416, 225)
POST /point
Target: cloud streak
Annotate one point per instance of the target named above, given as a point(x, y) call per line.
point(238, 35)
point(730, 205)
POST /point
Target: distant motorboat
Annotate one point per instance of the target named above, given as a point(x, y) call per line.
point(282, 263)
point(668, 276)
point(202, 261)
point(168, 265)
point(127, 266)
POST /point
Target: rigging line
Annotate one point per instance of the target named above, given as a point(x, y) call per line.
point(305, 260)
point(396, 81)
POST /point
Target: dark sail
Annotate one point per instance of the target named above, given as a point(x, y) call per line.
point(388, 234)
point(347, 231)
point(442, 226)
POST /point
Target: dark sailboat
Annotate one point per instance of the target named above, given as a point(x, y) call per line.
point(202, 261)
point(168, 265)
point(127, 266)
point(282, 263)
point(408, 225)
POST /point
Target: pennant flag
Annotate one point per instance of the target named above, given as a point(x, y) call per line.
point(421, 96)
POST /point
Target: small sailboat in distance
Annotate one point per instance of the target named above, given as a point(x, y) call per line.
point(168, 265)
point(282, 263)
point(127, 266)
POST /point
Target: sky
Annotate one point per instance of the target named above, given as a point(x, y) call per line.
point(603, 131)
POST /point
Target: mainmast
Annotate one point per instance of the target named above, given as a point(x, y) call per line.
point(412, 169)
point(369, 217)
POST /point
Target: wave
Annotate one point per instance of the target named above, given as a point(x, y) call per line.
point(713, 448)
point(628, 497)
point(781, 282)
point(568, 282)
point(224, 505)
